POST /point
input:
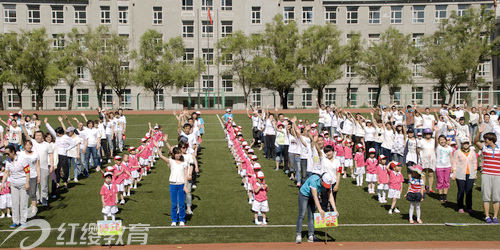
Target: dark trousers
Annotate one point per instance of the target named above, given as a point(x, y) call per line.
point(54, 179)
point(325, 202)
point(465, 189)
point(285, 156)
point(369, 144)
point(64, 166)
point(271, 149)
point(104, 146)
point(193, 175)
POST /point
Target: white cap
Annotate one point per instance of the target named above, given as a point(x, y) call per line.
point(465, 140)
point(228, 110)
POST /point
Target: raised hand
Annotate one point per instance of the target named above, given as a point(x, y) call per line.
point(58, 118)
point(45, 120)
point(165, 137)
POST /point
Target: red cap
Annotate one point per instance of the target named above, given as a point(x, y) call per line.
point(382, 157)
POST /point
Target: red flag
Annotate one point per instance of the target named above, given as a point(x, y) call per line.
point(209, 16)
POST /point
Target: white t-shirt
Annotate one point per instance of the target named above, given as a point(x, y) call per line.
point(102, 131)
point(473, 118)
point(322, 113)
point(348, 127)
point(43, 150)
point(370, 133)
point(92, 137)
point(398, 118)
point(331, 167)
point(419, 121)
point(29, 127)
point(328, 119)
point(294, 147)
point(459, 113)
point(83, 134)
point(269, 129)
point(32, 161)
point(16, 169)
point(118, 124)
point(74, 151)
point(379, 136)
point(388, 139)
point(256, 122)
point(335, 120)
point(428, 120)
point(443, 156)
point(14, 135)
point(191, 140)
point(109, 126)
point(305, 151)
point(360, 131)
point(176, 172)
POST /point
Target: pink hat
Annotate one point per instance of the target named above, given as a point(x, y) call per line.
point(131, 148)
point(144, 140)
point(244, 143)
point(242, 139)
point(394, 164)
point(279, 124)
point(339, 139)
point(300, 121)
point(335, 135)
point(417, 168)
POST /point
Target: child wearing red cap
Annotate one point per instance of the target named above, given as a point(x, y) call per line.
point(134, 166)
point(108, 197)
point(340, 155)
point(251, 179)
point(382, 179)
point(360, 165)
point(396, 180)
point(260, 203)
point(119, 174)
point(348, 162)
point(371, 171)
point(127, 175)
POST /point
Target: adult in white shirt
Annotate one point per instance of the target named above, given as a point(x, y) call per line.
point(270, 132)
point(110, 133)
point(429, 119)
point(348, 128)
point(321, 116)
point(124, 124)
point(331, 166)
point(187, 132)
point(444, 110)
point(17, 168)
point(459, 113)
point(118, 131)
point(34, 163)
point(328, 120)
point(103, 140)
point(46, 162)
point(92, 146)
point(335, 123)
point(256, 127)
point(63, 143)
point(15, 133)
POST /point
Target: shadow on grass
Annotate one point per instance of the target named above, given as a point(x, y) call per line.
point(319, 234)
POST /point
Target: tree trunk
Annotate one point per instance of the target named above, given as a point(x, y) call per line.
point(245, 98)
point(70, 99)
point(39, 101)
point(320, 94)
point(284, 101)
point(100, 93)
point(1, 99)
point(349, 94)
point(377, 98)
point(155, 93)
point(450, 98)
point(19, 94)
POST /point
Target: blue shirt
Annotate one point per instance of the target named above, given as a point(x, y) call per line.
point(312, 182)
point(226, 116)
point(200, 120)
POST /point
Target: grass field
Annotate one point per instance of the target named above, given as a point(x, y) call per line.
point(220, 200)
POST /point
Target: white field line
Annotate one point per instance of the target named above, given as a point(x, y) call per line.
point(221, 124)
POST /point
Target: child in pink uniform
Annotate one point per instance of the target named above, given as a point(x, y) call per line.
point(348, 162)
point(383, 180)
point(328, 140)
point(133, 163)
point(250, 178)
point(260, 203)
point(339, 155)
point(371, 170)
point(108, 197)
point(360, 165)
point(5, 199)
point(144, 154)
point(396, 180)
point(119, 174)
point(127, 175)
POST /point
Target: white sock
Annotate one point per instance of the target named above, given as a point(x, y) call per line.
point(105, 217)
point(383, 195)
point(378, 193)
point(418, 210)
point(412, 206)
point(113, 217)
point(361, 179)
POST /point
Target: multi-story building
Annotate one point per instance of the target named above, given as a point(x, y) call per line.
point(189, 19)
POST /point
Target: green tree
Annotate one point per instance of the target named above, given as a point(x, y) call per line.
point(160, 64)
point(353, 51)
point(10, 72)
point(386, 63)
point(322, 55)
point(281, 44)
point(70, 58)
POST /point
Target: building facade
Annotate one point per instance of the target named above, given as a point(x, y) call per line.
point(214, 89)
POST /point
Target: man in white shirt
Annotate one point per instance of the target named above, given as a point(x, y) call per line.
point(118, 131)
point(459, 113)
point(124, 125)
point(321, 115)
point(428, 119)
point(110, 133)
point(92, 146)
point(444, 110)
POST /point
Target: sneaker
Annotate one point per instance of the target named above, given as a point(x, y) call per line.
point(182, 224)
point(495, 221)
point(298, 184)
point(9, 216)
point(250, 201)
point(2, 216)
point(194, 186)
point(173, 224)
point(489, 220)
point(189, 211)
point(54, 196)
point(291, 177)
point(14, 225)
point(312, 238)
point(469, 211)
point(32, 211)
point(298, 239)
point(277, 169)
point(128, 194)
point(396, 210)
point(109, 160)
point(122, 202)
point(135, 187)
point(286, 171)
point(264, 221)
point(75, 180)
point(461, 211)
point(344, 176)
point(390, 211)
point(257, 222)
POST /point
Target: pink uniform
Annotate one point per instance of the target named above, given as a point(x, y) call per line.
point(252, 179)
point(261, 194)
point(246, 164)
point(360, 159)
point(383, 176)
point(348, 152)
point(133, 161)
point(314, 132)
point(396, 179)
point(109, 193)
point(328, 142)
point(339, 149)
point(6, 188)
point(371, 166)
point(126, 169)
point(158, 136)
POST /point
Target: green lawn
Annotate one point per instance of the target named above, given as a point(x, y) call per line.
point(221, 200)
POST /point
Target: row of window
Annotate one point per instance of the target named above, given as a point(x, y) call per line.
point(207, 29)
point(417, 95)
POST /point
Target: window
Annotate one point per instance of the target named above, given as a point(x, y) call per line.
point(418, 40)
point(227, 28)
point(374, 15)
point(417, 95)
point(82, 73)
point(9, 13)
point(290, 97)
point(58, 41)
point(307, 14)
point(373, 39)
point(33, 13)
point(331, 14)
point(352, 15)
point(60, 98)
point(187, 4)
point(227, 83)
point(82, 98)
point(256, 98)
point(288, 14)
point(125, 67)
point(462, 9)
point(396, 14)
point(187, 28)
point(440, 13)
point(307, 96)
point(105, 14)
point(437, 97)
point(227, 59)
point(461, 94)
point(397, 96)
point(189, 87)
point(126, 100)
point(57, 14)
point(350, 72)
point(123, 14)
point(372, 96)
point(208, 83)
point(484, 68)
point(12, 99)
point(208, 56)
point(256, 15)
point(157, 15)
point(418, 14)
point(417, 70)
point(483, 96)
point(207, 30)
point(188, 57)
point(34, 98)
point(205, 3)
point(107, 98)
point(80, 14)
point(353, 97)
point(226, 5)
point(160, 99)
point(330, 96)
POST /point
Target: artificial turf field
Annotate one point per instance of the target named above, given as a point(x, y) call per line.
point(221, 210)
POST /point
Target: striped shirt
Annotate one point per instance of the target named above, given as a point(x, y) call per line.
point(491, 165)
point(416, 185)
